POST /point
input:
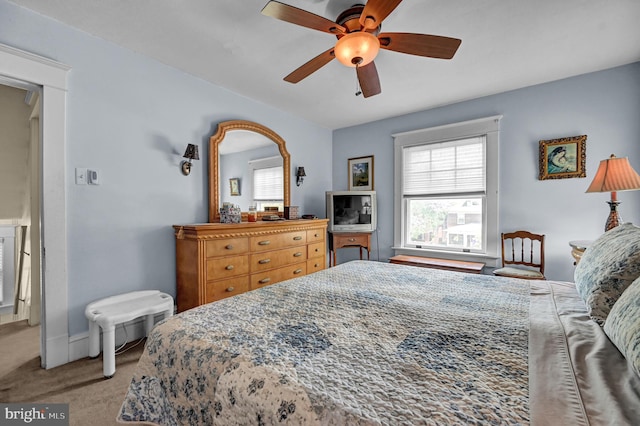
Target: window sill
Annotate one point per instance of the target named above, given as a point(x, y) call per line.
point(489, 260)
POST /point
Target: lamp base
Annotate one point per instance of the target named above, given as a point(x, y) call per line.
point(186, 168)
point(614, 218)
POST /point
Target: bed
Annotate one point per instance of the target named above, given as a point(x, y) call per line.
point(370, 343)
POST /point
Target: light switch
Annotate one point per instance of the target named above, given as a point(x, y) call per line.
point(81, 176)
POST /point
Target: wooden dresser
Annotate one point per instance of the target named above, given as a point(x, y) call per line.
point(218, 260)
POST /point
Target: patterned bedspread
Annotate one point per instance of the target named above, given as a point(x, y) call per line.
point(362, 343)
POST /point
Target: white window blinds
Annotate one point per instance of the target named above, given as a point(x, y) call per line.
point(452, 167)
point(268, 184)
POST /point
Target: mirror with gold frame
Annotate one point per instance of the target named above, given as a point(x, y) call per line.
point(233, 132)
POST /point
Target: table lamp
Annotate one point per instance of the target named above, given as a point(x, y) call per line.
point(614, 174)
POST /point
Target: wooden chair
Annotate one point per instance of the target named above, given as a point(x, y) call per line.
point(523, 256)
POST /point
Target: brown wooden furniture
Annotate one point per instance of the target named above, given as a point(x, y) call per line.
point(339, 240)
point(522, 255)
point(218, 260)
point(434, 263)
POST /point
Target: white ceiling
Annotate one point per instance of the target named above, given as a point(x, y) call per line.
point(506, 44)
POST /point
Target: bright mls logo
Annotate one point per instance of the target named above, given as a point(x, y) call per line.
point(34, 414)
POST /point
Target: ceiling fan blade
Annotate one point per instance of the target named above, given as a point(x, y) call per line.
point(368, 79)
point(310, 67)
point(420, 44)
point(377, 10)
point(301, 17)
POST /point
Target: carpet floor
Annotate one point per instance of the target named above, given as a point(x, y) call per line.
point(92, 399)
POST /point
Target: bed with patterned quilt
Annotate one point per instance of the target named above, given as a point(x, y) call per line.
point(372, 343)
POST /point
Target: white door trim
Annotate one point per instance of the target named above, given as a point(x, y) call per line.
point(51, 76)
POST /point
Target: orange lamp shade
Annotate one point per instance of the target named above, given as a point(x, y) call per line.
point(615, 174)
point(357, 49)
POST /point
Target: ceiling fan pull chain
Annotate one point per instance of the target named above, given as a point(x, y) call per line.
point(358, 91)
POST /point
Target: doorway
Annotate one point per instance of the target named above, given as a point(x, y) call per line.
point(20, 194)
point(51, 78)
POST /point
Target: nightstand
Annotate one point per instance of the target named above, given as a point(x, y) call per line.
point(577, 249)
point(339, 240)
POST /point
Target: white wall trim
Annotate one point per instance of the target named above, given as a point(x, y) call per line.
point(52, 77)
point(39, 70)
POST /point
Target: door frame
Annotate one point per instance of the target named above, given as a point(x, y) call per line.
point(51, 77)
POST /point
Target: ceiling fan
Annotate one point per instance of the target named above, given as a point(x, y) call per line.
point(359, 40)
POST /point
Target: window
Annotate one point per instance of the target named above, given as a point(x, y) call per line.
point(268, 183)
point(446, 189)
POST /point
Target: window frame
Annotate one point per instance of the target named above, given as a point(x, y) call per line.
point(488, 127)
point(265, 163)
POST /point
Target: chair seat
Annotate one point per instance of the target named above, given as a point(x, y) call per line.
point(526, 274)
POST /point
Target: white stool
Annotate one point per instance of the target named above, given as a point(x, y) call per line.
point(107, 313)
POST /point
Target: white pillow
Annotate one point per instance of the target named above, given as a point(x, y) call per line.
point(607, 268)
point(623, 325)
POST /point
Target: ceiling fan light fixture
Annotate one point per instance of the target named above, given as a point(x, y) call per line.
point(357, 48)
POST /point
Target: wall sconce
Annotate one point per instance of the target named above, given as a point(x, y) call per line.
point(190, 154)
point(614, 174)
point(300, 174)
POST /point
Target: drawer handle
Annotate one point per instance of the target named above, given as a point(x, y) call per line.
point(297, 271)
point(263, 261)
point(315, 235)
point(351, 240)
point(264, 280)
point(229, 267)
point(264, 243)
point(316, 265)
point(230, 289)
point(298, 254)
point(317, 250)
point(229, 247)
point(297, 238)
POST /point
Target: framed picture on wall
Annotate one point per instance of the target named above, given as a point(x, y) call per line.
point(563, 158)
point(234, 184)
point(361, 174)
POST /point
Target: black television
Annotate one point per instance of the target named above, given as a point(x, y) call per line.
point(351, 211)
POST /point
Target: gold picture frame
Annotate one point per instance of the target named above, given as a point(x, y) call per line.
point(563, 158)
point(234, 186)
point(361, 173)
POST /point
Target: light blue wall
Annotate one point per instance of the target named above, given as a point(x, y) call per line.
point(604, 105)
point(132, 117)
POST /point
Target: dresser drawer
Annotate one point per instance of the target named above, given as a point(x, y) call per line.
point(316, 264)
point(351, 240)
point(226, 247)
point(217, 290)
point(225, 267)
point(273, 276)
point(314, 235)
point(277, 241)
point(316, 249)
point(277, 258)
